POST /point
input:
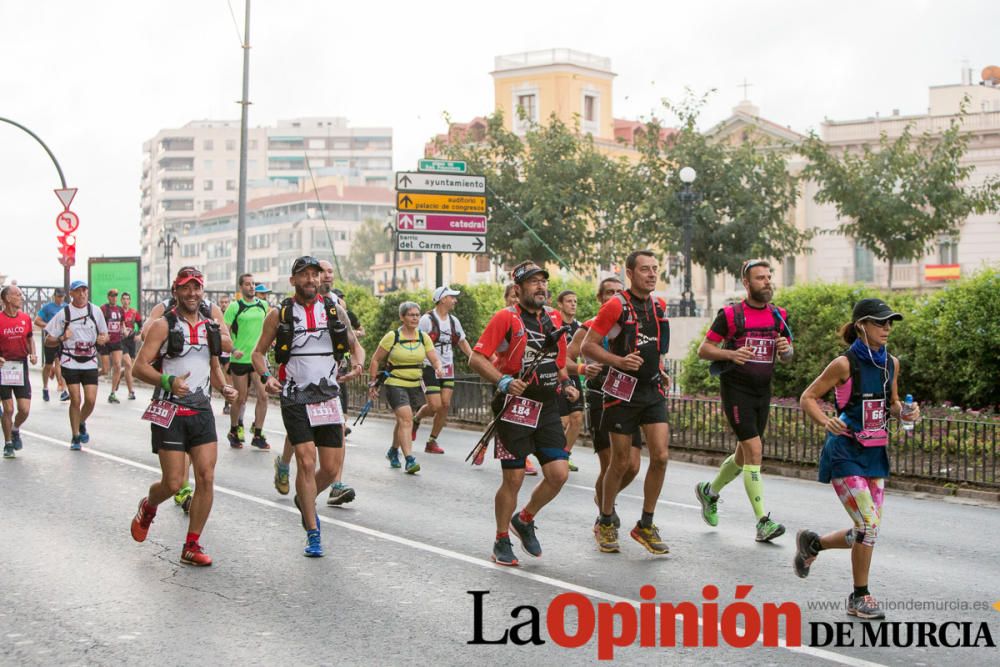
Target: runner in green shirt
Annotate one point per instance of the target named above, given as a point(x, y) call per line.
point(245, 318)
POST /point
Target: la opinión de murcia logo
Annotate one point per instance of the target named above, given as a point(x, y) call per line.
point(572, 620)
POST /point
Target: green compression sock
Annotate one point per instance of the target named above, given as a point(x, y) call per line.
point(755, 489)
point(728, 471)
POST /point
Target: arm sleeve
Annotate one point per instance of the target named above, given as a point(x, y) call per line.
point(494, 333)
point(607, 317)
point(719, 331)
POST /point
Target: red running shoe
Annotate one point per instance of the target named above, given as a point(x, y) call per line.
point(432, 447)
point(140, 522)
point(416, 427)
point(529, 467)
point(192, 554)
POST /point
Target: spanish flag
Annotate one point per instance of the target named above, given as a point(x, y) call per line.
point(942, 272)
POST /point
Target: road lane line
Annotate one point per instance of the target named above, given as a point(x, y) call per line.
point(464, 558)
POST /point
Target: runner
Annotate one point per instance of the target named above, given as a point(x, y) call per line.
point(181, 359)
point(132, 323)
point(571, 413)
point(865, 383)
point(50, 355)
point(224, 302)
point(636, 326)
point(79, 328)
point(245, 318)
point(510, 299)
point(310, 335)
point(114, 315)
point(596, 375)
point(445, 332)
point(742, 345)
point(17, 349)
point(404, 351)
point(529, 422)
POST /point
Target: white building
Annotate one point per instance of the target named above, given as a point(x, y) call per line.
point(194, 169)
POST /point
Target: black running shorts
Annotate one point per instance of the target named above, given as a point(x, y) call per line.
point(237, 369)
point(300, 431)
point(50, 355)
point(77, 376)
point(601, 438)
point(627, 418)
point(515, 442)
point(185, 432)
point(746, 409)
point(23, 391)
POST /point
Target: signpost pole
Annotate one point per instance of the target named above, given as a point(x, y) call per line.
point(438, 269)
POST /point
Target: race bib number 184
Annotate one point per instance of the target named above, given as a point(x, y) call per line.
point(521, 411)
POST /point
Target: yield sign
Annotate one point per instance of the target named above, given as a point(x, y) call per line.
point(66, 196)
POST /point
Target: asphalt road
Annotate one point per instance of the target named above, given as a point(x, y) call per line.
point(393, 587)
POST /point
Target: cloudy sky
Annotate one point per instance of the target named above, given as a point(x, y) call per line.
point(96, 79)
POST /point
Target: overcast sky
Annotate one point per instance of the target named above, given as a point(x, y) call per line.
point(96, 79)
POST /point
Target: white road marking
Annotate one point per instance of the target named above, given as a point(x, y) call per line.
point(625, 495)
point(457, 556)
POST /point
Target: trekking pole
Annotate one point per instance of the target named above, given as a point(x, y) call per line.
point(363, 414)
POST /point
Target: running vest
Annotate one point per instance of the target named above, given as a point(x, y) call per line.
point(759, 337)
point(289, 325)
point(862, 399)
point(84, 352)
point(308, 361)
point(632, 338)
point(240, 309)
point(188, 349)
point(527, 336)
point(390, 367)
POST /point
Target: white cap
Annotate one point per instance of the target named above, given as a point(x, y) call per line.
point(443, 291)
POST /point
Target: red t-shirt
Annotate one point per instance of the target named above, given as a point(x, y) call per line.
point(526, 331)
point(15, 335)
point(132, 320)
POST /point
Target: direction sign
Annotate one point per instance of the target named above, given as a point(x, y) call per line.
point(66, 196)
point(442, 166)
point(407, 201)
point(413, 181)
point(463, 243)
point(67, 222)
point(441, 222)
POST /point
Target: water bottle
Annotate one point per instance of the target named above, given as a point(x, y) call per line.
point(907, 410)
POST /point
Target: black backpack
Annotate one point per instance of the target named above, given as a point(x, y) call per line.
point(286, 332)
point(435, 333)
point(240, 309)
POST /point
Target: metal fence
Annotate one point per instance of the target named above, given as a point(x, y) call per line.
point(37, 296)
point(943, 450)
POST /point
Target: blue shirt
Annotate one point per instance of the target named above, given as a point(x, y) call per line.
point(48, 311)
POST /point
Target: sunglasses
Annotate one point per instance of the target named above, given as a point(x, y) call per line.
point(881, 324)
point(750, 263)
point(189, 273)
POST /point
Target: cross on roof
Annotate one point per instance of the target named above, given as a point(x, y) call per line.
point(746, 87)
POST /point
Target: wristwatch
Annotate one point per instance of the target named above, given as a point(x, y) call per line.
point(264, 377)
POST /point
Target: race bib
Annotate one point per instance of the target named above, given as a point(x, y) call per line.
point(873, 432)
point(763, 350)
point(161, 413)
point(114, 326)
point(448, 372)
point(325, 413)
point(12, 374)
point(619, 385)
point(521, 411)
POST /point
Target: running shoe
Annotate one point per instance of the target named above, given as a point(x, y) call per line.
point(112, 398)
point(616, 521)
point(607, 538)
point(295, 499)
point(393, 456)
point(64, 396)
point(865, 607)
point(503, 553)
point(416, 427)
point(709, 503)
point(650, 538)
point(314, 548)
point(240, 433)
point(529, 467)
point(193, 554)
point(767, 530)
point(84, 436)
point(526, 533)
point(412, 467)
point(572, 466)
point(235, 441)
point(8, 451)
point(347, 431)
point(804, 552)
point(186, 505)
point(432, 447)
point(74, 444)
point(280, 476)
point(15, 439)
point(131, 396)
point(225, 409)
point(140, 522)
point(340, 494)
point(260, 442)
point(183, 493)
point(45, 395)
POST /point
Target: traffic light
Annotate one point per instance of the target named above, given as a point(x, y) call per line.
point(67, 249)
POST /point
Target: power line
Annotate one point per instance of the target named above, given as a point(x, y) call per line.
point(322, 215)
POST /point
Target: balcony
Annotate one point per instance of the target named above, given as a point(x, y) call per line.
point(176, 163)
point(173, 205)
point(177, 184)
point(177, 144)
point(286, 143)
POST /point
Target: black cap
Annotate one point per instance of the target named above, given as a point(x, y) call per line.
point(305, 262)
point(874, 309)
point(522, 273)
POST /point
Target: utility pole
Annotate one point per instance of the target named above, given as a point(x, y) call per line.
point(241, 220)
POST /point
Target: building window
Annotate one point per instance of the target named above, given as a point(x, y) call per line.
point(948, 250)
point(209, 144)
point(590, 108)
point(864, 264)
point(529, 104)
point(230, 144)
point(208, 205)
point(208, 184)
point(230, 184)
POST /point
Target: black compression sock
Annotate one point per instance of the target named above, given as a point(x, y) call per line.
point(815, 544)
point(861, 591)
point(647, 519)
point(607, 519)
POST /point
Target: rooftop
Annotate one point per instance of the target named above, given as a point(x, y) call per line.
point(331, 193)
point(546, 57)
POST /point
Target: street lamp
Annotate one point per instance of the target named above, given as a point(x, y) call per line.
point(688, 198)
point(390, 227)
point(169, 242)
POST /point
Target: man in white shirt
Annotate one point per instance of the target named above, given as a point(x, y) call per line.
point(79, 327)
point(445, 332)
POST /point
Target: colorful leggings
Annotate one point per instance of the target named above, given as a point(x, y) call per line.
point(862, 498)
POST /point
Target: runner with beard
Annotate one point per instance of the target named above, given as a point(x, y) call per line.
point(743, 343)
point(180, 358)
point(635, 324)
point(529, 413)
point(310, 333)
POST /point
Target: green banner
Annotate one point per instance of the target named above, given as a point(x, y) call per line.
point(120, 273)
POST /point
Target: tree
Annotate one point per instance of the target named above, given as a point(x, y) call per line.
point(369, 239)
point(745, 194)
point(899, 197)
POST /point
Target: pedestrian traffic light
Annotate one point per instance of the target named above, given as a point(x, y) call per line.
point(67, 249)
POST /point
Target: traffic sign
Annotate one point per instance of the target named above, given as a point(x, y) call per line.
point(442, 166)
point(67, 222)
point(413, 181)
point(463, 243)
point(407, 201)
point(66, 196)
point(441, 222)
